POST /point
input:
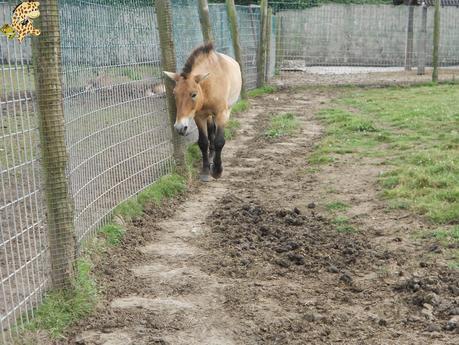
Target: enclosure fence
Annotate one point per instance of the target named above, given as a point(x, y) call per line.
point(116, 112)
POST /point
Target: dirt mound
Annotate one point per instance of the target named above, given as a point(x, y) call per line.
point(250, 236)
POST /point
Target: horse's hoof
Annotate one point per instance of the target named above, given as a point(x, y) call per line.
point(204, 178)
point(216, 173)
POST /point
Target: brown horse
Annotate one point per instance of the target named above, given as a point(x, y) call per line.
point(210, 83)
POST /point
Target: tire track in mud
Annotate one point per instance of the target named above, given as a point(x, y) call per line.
point(244, 260)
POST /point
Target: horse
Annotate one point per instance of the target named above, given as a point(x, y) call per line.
point(209, 84)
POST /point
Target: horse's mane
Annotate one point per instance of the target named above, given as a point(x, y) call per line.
point(201, 50)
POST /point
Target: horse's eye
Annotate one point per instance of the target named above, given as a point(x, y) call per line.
point(193, 95)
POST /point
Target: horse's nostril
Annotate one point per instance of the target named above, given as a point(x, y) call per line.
point(185, 128)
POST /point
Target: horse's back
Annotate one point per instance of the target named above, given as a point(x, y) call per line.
point(232, 74)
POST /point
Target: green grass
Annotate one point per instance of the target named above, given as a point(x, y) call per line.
point(450, 235)
point(336, 206)
point(231, 128)
point(343, 225)
point(60, 309)
point(166, 187)
point(414, 132)
point(261, 91)
point(240, 106)
point(282, 125)
point(113, 233)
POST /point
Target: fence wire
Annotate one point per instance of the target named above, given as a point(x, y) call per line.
point(23, 260)
point(116, 126)
point(341, 39)
point(117, 133)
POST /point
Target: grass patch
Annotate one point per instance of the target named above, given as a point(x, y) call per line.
point(113, 233)
point(342, 225)
point(231, 128)
point(240, 106)
point(282, 125)
point(414, 132)
point(166, 187)
point(60, 309)
point(129, 210)
point(450, 235)
point(336, 206)
point(261, 91)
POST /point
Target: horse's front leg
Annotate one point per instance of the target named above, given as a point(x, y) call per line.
point(203, 143)
point(211, 129)
point(217, 167)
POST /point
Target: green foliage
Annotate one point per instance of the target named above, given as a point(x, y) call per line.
point(231, 128)
point(61, 308)
point(240, 106)
point(282, 125)
point(261, 91)
point(342, 225)
point(112, 233)
point(166, 187)
point(128, 210)
point(414, 131)
point(336, 206)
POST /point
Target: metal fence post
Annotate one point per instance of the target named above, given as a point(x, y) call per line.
point(409, 39)
point(232, 17)
point(206, 27)
point(168, 63)
point(436, 41)
point(261, 53)
point(278, 43)
point(48, 84)
point(422, 42)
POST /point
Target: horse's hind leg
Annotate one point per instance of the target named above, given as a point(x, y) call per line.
point(203, 143)
point(211, 129)
point(220, 120)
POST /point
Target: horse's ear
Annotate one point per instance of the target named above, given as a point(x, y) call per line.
point(199, 78)
point(171, 75)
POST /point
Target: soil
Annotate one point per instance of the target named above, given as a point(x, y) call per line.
point(254, 258)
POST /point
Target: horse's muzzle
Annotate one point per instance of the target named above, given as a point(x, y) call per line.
point(181, 129)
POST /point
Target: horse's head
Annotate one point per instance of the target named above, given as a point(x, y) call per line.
point(188, 98)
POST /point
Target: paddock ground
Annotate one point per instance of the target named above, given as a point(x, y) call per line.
point(259, 256)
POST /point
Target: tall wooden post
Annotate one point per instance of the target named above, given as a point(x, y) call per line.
point(268, 40)
point(422, 42)
point(436, 41)
point(409, 39)
point(262, 44)
point(232, 17)
point(48, 86)
point(206, 26)
point(168, 63)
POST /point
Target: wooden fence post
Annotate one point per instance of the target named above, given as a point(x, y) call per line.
point(48, 86)
point(268, 41)
point(168, 63)
point(409, 39)
point(232, 17)
point(206, 26)
point(422, 42)
point(436, 41)
point(261, 53)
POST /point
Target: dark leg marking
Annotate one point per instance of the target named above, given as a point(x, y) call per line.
point(217, 168)
point(211, 129)
point(203, 143)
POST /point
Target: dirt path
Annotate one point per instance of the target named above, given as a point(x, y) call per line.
point(249, 259)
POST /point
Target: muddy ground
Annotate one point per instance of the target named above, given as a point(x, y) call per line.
point(254, 258)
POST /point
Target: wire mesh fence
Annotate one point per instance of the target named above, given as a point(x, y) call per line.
point(23, 259)
point(117, 132)
point(347, 39)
